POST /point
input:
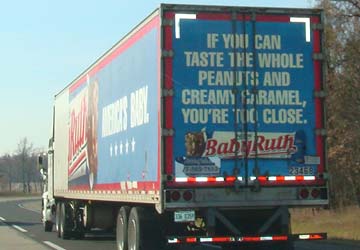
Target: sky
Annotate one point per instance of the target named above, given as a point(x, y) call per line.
point(46, 44)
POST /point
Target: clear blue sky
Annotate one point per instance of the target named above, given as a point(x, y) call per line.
point(45, 44)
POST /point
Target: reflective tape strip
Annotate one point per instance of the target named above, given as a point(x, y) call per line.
point(244, 239)
point(174, 240)
point(283, 178)
point(304, 236)
point(264, 238)
point(206, 179)
point(310, 237)
point(218, 239)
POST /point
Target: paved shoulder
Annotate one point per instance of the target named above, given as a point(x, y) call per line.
point(14, 239)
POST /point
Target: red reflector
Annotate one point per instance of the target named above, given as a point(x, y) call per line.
point(191, 240)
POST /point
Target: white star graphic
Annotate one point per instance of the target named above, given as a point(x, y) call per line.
point(121, 147)
point(116, 149)
point(133, 142)
point(127, 146)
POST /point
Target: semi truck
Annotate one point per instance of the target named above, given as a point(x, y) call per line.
point(203, 125)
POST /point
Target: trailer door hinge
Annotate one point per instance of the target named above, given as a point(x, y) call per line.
point(167, 22)
point(318, 56)
point(321, 131)
point(320, 94)
point(317, 26)
point(167, 132)
point(325, 175)
point(167, 53)
point(167, 92)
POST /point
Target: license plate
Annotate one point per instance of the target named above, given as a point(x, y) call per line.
point(184, 216)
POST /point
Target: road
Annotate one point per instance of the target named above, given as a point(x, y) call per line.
point(25, 216)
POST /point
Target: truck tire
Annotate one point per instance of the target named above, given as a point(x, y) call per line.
point(122, 228)
point(65, 225)
point(48, 225)
point(57, 218)
point(144, 230)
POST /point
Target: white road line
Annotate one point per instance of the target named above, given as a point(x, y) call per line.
point(52, 245)
point(2, 218)
point(20, 205)
point(19, 228)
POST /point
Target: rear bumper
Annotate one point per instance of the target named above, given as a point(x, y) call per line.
point(246, 198)
point(245, 239)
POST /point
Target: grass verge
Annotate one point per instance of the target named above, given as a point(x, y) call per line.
point(341, 224)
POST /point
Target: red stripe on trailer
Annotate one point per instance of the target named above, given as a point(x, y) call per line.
point(110, 57)
point(213, 16)
point(272, 18)
point(318, 101)
point(159, 160)
point(168, 101)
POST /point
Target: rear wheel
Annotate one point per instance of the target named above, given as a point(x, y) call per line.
point(122, 228)
point(57, 218)
point(144, 232)
point(65, 226)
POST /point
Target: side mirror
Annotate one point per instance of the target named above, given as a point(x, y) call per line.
point(41, 165)
point(40, 160)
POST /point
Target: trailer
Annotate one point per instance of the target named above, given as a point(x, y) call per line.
point(204, 124)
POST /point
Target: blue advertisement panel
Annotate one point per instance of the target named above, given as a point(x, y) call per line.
point(113, 135)
point(244, 103)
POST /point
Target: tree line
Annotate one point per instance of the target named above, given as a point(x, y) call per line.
point(342, 49)
point(21, 167)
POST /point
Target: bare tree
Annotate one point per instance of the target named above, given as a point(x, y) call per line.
point(23, 151)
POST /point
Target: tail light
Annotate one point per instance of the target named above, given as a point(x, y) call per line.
point(175, 195)
point(304, 193)
point(315, 193)
point(187, 195)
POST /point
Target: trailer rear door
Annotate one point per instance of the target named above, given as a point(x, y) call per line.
point(246, 104)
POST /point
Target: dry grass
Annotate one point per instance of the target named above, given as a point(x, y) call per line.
point(342, 224)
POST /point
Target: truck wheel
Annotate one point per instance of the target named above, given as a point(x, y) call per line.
point(48, 225)
point(134, 225)
point(65, 221)
point(144, 231)
point(122, 228)
point(57, 218)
